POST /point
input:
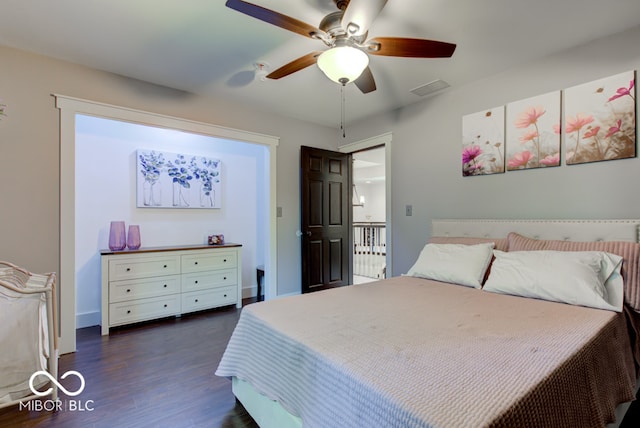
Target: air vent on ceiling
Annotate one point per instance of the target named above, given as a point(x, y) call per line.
point(430, 88)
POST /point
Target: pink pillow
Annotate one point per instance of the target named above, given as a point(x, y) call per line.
point(629, 251)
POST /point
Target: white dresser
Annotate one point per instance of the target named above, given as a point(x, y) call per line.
point(149, 283)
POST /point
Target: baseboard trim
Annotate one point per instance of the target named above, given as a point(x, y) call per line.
point(88, 319)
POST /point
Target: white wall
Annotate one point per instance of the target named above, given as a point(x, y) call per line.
point(106, 191)
point(426, 157)
point(374, 206)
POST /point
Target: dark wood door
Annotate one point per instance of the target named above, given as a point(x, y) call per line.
point(326, 218)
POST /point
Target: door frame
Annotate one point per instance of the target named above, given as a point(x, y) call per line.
point(369, 143)
point(69, 107)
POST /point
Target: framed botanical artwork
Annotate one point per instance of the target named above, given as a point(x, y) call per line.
point(483, 142)
point(533, 132)
point(175, 180)
point(600, 120)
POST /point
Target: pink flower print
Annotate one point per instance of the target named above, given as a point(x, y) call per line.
point(621, 92)
point(551, 160)
point(576, 123)
point(556, 129)
point(520, 159)
point(477, 166)
point(569, 155)
point(592, 132)
point(613, 129)
point(529, 136)
point(470, 153)
point(529, 117)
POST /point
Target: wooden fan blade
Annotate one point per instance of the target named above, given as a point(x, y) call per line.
point(411, 48)
point(295, 65)
point(274, 18)
point(359, 15)
point(366, 83)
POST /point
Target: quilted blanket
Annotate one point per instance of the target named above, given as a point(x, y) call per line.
point(410, 352)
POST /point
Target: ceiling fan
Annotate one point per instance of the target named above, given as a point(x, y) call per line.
point(345, 33)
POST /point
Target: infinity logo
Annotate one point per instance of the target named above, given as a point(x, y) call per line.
point(52, 379)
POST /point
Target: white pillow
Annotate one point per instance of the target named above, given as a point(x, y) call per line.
point(584, 278)
point(456, 263)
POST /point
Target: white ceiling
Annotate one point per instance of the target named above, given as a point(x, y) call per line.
point(201, 46)
point(369, 166)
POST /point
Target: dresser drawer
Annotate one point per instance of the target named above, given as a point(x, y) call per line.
point(143, 267)
point(204, 280)
point(120, 291)
point(198, 300)
point(209, 261)
point(143, 309)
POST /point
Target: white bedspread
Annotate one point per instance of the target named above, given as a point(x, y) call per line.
point(409, 352)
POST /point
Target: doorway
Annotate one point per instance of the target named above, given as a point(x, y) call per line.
point(375, 153)
point(369, 215)
point(69, 108)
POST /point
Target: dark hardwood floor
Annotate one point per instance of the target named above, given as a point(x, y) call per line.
point(156, 374)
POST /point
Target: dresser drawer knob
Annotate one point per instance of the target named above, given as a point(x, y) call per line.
point(165, 266)
point(225, 278)
point(165, 286)
point(128, 290)
point(195, 282)
point(128, 269)
point(165, 305)
point(195, 263)
point(225, 260)
point(225, 295)
point(196, 300)
point(129, 311)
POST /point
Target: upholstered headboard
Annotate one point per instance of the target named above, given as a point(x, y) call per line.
point(568, 230)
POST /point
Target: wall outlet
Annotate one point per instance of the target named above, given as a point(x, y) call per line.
point(409, 210)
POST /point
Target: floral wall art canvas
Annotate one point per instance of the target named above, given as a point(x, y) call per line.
point(483, 142)
point(174, 180)
point(533, 132)
point(600, 120)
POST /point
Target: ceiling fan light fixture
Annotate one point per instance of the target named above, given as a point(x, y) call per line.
point(343, 64)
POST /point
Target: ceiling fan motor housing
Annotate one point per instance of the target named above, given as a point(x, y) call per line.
point(331, 24)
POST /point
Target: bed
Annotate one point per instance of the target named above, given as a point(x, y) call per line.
point(418, 351)
point(28, 337)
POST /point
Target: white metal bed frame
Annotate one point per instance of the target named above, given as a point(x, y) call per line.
point(27, 283)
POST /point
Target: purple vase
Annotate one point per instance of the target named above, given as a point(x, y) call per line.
point(133, 237)
point(117, 238)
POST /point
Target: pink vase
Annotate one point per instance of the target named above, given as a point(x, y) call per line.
point(133, 237)
point(117, 237)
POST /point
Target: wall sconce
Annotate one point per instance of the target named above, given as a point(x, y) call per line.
point(343, 64)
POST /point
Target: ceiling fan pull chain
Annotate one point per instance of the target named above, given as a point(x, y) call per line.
point(342, 114)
